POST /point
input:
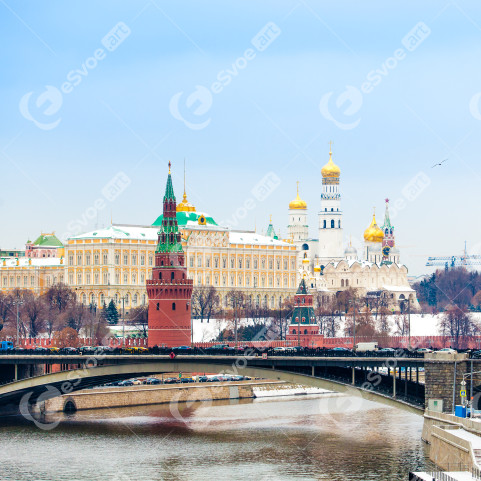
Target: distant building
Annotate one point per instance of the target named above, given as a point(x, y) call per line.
point(45, 245)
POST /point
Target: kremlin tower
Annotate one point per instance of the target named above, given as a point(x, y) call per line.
point(330, 216)
point(169, 290)
point(303, 323)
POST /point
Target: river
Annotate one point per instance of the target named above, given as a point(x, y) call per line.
point(295, 438)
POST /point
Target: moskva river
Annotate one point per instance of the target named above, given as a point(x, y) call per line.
point(294, 438)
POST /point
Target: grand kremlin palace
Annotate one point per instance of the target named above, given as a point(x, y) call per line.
point(114, 262)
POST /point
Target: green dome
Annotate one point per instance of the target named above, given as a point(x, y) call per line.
point(184, 217)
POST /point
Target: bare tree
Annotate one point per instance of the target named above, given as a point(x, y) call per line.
point(205, 302)
point(33, 313)
point(401, 325)
point(456, 322)
point(139, 317)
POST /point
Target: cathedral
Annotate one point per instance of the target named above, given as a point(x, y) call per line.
point(328, 267)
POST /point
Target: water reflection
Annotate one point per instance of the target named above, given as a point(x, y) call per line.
point(310, 438)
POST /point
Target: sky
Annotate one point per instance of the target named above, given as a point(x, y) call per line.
point(97, 97)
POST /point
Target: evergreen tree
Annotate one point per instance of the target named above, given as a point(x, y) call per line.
point(111, 313)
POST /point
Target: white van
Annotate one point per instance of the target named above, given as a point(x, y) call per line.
point(366, 346)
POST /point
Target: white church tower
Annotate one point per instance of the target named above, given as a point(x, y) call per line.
point(298, 230)
point(330, 215)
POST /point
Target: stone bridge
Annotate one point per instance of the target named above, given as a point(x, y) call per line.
point(405, 381)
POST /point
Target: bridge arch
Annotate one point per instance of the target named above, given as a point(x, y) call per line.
point(69, 381)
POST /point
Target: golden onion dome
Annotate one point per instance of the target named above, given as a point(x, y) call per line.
point(317, 269)
point(330, 169)
point(298, 203)
point(305, 260)
point(373, 233)
point(185, 205)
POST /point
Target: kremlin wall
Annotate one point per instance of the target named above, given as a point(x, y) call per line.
point(118, 261)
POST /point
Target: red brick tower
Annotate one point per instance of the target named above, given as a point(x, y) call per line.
point(169, 290)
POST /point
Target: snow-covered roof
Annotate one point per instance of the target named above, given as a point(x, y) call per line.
point(121, 232)
point(254, 238)
point(398, 288)
point(35, 261)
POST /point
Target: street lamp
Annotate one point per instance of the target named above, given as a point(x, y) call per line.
point(17, 303)
point(353, 301)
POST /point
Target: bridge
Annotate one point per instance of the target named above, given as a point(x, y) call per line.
point(374, 377)
point(403, 381)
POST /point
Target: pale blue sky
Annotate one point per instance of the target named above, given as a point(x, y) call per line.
point(120, 118)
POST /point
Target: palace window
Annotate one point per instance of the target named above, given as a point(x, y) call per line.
point(232, 263)
point(79, 278)
point(126, 259)
point(278, 263)
point(105, 259)
point(25, 281)
point(207, 261)
point(70, 260)
point(142, 278)
point(87, 277)
point(216, 262)
point(102, 298)
point(79, 260)
point(105, 277)
point(70, 279)
point(96, 259)
point(117, 278)
point(232, 281)
point(134, 259)
point(270, 264)
point(199, 261)
point(191, 261)
point(324, 225)
point(224, 262)
point(151, 260)
point(32, 281)
point(255, 263)
point(255, 281)
point(248, 263)
point(134, 299)
point(142, 260)
point(96, 278)
point(134, 278)
point(87, 260)
point(239, 281)
point(117, 259)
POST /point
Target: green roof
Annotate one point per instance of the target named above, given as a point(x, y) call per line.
point(47, 240)
point(184, 217)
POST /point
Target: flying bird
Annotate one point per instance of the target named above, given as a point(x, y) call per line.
point(440, 163)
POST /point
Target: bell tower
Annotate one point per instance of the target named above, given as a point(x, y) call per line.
point(330, 215)
point(169, 290)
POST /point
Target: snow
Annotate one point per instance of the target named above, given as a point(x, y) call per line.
point(289, 390)
point(254, 239)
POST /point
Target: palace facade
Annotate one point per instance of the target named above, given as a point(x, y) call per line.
point(114, 262)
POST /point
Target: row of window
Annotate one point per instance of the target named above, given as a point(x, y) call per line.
point(29, 281)
point(134, 259)
point(231, 281)
point(133, 279)
point(240, 264)
point(128, 300)
point(333, 224)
